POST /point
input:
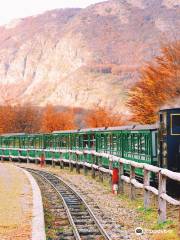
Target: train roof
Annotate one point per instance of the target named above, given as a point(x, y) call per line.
point(105, 129)
point(86, 130)
point(20, 134)
point(12, 134)
point(135, 127)
point(170, 109)
point(66, 131)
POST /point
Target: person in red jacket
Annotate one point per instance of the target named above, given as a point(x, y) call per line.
point(42, 160)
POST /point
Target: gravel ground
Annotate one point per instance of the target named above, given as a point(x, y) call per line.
point(15, 204)
point(112, 206)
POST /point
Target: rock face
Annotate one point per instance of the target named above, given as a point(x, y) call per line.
point(82, 57)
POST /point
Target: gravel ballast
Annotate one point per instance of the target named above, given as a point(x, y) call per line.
point(107, 206)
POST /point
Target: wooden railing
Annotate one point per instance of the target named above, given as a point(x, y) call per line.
point(162, 174)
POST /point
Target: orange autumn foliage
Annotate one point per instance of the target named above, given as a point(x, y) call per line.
point(27, 119)
point(7, 116)
point(101, 117)
point(159, 84)
point(53, 120)
point(14, 119)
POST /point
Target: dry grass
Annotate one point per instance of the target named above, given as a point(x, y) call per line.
point(166, 236)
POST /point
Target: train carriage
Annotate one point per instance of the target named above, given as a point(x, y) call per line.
point(152, 144)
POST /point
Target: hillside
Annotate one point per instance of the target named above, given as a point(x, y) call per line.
point(82, 57)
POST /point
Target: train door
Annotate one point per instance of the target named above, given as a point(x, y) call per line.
point(163, 139)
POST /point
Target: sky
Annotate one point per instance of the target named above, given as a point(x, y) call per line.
point(13, 9)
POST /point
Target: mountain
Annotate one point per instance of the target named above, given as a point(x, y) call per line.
point(83, 57)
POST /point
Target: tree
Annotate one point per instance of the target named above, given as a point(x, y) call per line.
point(101, 117)
point(159, 83)
point(27, 119)
point(53, 120)
point(15, 119)
point(66, 120)
point(7, 116)
point(48, 116)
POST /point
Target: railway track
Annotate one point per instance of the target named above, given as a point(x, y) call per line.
point(84, 224)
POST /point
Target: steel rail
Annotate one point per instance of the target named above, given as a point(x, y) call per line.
point(75, 230)
point(100, 227)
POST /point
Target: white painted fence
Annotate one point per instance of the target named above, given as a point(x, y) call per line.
point(163, 174)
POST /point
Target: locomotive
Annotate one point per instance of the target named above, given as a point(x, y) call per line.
point(169, 139)
point(157, 144)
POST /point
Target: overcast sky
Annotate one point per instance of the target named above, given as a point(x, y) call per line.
point(12, 9)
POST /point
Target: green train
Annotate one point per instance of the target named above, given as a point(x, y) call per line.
point(153, 144)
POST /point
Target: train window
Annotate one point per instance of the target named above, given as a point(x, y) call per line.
point(85, 140)
point(175, 124)
point(92, 141)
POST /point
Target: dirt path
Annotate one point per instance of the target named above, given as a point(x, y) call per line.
point(15, 204)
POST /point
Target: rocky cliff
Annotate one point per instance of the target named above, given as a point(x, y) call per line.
point(82, 57)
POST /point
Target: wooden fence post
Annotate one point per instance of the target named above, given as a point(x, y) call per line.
point(161, 201)
point(36, 157)
point(69, 157)
point(2, 158)
point(44, 154)
point(77, 165)
point(121, 182)
point(19, 154)
point(93, 175)
point(71, 164)
point(84, 166)
point(10, 158)
point(28, 156)
point(146, 192)
point(132, 176)
point(61, 160)
point(110, 168)
point(100, 165)
point(53, 162)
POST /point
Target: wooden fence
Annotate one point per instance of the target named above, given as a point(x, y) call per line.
point(162, 174)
